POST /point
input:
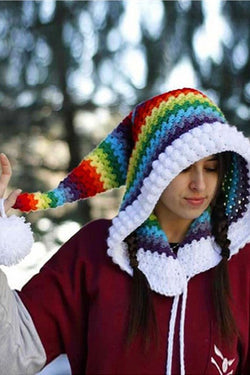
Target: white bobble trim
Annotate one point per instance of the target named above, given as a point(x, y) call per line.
point(154, 164)
point(129, 210)
point(188, 137)
point(150, 198)
point(121, 230)
point(185, 148)
point(162, 157)
point(137, 207)
point(159, 182)
point(175, 168)
point(175, 154)
point(168, 152)
point(197, 132)
point(141, 199)
point(178, 144)
point(206, 128)
point(195, 143)
point(123, 217)
point(152, 177)
point(147, 185)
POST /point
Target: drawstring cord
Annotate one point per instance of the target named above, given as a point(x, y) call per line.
point(171, 334)
point(172, 330)
point(182, 329)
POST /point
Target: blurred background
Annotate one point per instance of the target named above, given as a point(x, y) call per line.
point(71, 70)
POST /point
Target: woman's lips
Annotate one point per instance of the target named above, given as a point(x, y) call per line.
point(195, 201)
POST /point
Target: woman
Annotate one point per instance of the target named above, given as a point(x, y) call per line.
point(182, 233)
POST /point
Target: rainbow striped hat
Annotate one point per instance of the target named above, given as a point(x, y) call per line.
point(125, 157)
point(152, 145)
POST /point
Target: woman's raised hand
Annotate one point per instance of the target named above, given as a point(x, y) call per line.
point(4, 180)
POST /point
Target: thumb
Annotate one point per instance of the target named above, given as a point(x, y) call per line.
point(11, 199)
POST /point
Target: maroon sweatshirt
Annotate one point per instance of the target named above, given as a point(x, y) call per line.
point(79, 304)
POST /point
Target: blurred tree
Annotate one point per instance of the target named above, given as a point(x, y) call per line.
point(229, 75)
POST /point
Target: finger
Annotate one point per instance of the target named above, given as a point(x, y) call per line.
point(6, 173)
point(11, 200)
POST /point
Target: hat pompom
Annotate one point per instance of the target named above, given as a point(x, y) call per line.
point(16, 239)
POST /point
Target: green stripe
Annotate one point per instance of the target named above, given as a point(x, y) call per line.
point(113, 162)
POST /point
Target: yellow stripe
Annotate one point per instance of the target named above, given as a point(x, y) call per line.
point(43, 200)
point(99, 161)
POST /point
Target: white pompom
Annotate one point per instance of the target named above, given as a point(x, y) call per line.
point(16, 239)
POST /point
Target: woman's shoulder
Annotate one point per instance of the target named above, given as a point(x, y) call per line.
point(92, 235)
point(239, 263)
point(243, 254)
point(96, 228)
point(88, 245)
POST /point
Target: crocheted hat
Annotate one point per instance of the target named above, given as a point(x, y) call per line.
point(152, 145)
point(126, 155)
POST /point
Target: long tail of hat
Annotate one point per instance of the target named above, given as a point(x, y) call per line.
point(102, 169)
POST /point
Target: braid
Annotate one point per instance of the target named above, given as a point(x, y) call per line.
point(220, 225)
point(141, 311)
point(221, 285)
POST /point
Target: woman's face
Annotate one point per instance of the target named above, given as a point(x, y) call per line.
point(190, 193)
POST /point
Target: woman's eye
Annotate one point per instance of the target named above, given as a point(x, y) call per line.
point(211, 169)
point(208, 168)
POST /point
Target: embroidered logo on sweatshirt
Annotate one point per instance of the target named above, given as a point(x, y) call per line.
point(222, 363)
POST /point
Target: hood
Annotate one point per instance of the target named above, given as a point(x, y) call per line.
point(145, 152)
point(170, 132)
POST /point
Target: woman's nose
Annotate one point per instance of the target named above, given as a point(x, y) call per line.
point(197, 182)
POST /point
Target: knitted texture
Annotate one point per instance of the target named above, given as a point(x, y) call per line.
point(148, 149)
point(156, 123)
point(102, 169)
point(151, 236)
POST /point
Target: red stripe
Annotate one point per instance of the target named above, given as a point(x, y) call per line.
point(87, 179)
point(145, 109)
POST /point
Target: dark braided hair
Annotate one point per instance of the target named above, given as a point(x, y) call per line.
point(221, 285)
point(141, 311)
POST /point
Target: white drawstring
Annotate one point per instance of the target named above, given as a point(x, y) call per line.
point(171, 334)
point(172, 331)
point(182, 330)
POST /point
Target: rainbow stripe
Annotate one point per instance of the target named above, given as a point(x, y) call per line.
point(125, 157)
point(150, 235)
point(157, 123)
point(103, 169)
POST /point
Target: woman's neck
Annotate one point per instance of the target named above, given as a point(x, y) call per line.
point(175, 228)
